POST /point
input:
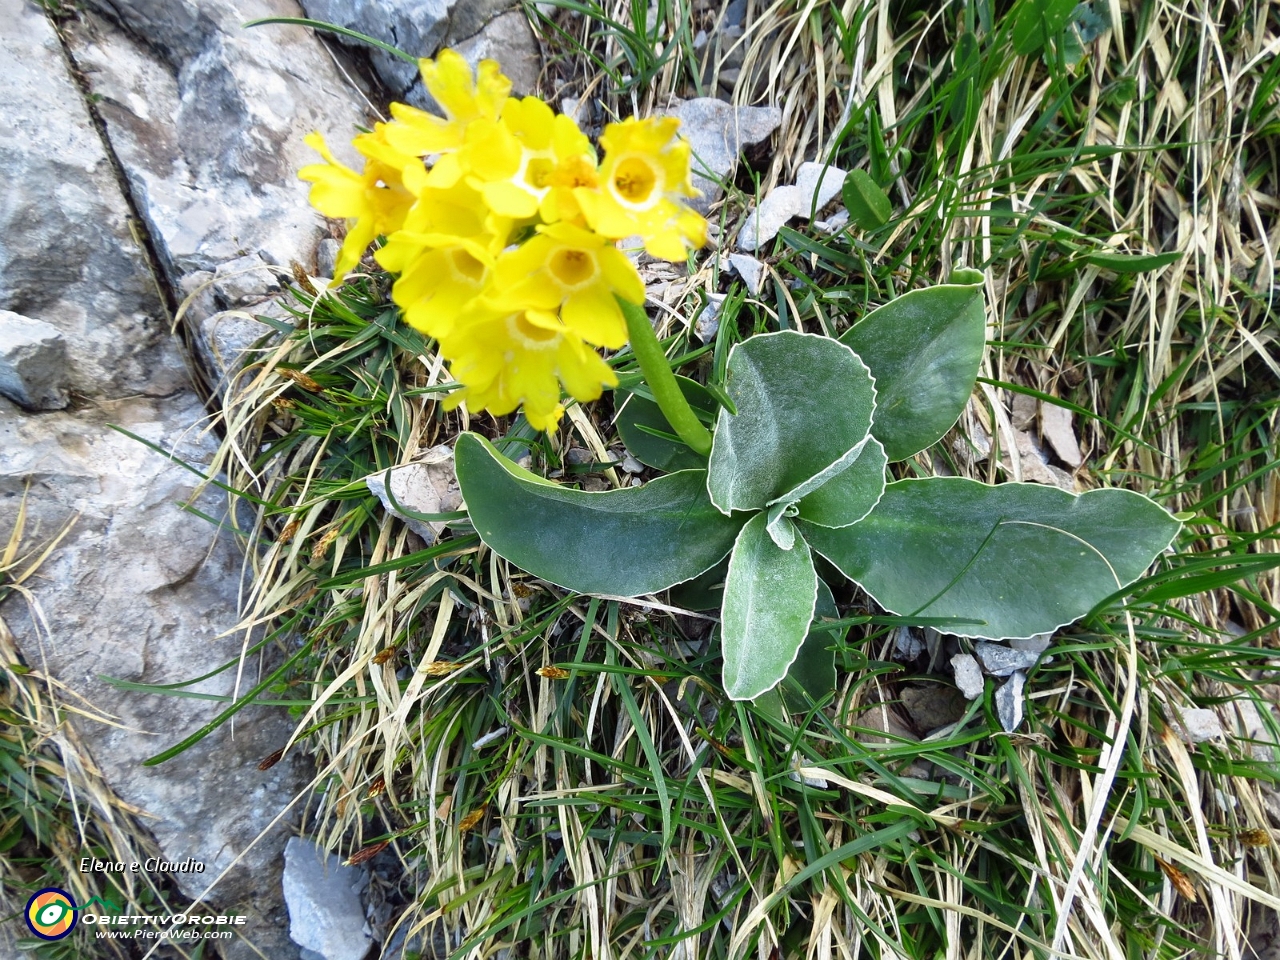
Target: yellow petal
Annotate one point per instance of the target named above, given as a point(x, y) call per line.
point(593, 314)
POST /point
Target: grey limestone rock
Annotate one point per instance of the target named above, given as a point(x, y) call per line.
point(999, 660)
point(418, 27)
point(718, 133)
point(968, 675)
point(1009, 701)
point(508, 39)
point(326, 917)
point(210, 138)
point(143, 591)
point(750, 270)
point(428, 485)
point(1198, 725)
point(478, 29)
point(67, 254)
point(33, 362)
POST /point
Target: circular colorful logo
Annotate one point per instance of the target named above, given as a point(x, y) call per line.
point(51, 914)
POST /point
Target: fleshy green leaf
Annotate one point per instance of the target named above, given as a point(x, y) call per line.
point(769, 598)
point(640, 419)
point(1024, 558)
point(620, 542)
point(866, 202)
point(814, 669)
point(923, 350)
point(803, 402)
point(849, 496)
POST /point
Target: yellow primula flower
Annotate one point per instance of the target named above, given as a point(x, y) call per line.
point(507, 358)
point(465, 97)
point(575, 169)
point(644, 181)
point(374, 201)
point(443, 253)
point(567, 269)
point(518, 161)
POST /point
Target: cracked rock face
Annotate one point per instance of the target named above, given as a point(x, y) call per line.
point(477, 29)
point(718, 133)
point(326, 916)
point(141, 590)
point(209, 128)
point(67, 255)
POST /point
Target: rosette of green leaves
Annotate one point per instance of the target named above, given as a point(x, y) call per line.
point(798, 470)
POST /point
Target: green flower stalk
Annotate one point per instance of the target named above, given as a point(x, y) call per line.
point(662, 382)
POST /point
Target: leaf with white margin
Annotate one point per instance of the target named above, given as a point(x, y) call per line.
point(1024, 558)
point(803, 403)
point(625, 542)
point(924, 349)
point(769, 599)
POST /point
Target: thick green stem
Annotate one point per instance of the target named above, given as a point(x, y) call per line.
point(658, 375)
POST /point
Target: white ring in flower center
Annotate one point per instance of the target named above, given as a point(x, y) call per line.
point(530, 335)
point(543, 162)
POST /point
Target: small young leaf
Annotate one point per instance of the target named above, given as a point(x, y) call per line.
point(1131, 262)
point(849, 496)
point(867, 204)
point(769, 598)
point(620, 542)
point(1037, 22)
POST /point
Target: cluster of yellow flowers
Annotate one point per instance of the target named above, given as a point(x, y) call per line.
point(501, 224)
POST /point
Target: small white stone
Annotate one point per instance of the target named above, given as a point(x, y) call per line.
point(323, 896)
point(707, 325)
point(1199, 725)
point(1036, 646)
point(750, 270)
point(1009, 704)
point(968, 675)
point(1000, 661)
point(763, 223)
point(820, 179)
point(429, 485)
point(1057, 427)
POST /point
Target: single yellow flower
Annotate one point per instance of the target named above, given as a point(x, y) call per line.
point(644, 180)
point(518, 162)
point(507, 358)
point(575, 169)
point(374, 202)
point(465, 97)
point(567, 269)
point(443, 253)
